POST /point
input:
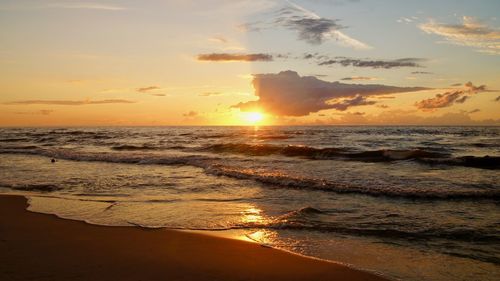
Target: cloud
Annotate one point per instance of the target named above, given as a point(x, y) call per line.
point(474, 111)
point(39, 112)
point(210, 94)
point(469, 33)
point(356, 78)
point(218, 39)
point(312, 30)
point(386, 64)
point(234, 57)
point(190, 114)
point(288, 94)
point(456, 85)
point(497, 98)
point(86, 5)
point(68, 102)
point(421, 72)
point(406, 19)
point(147, 89)
point(449, 98)
point(310, 27)
point(349, 102)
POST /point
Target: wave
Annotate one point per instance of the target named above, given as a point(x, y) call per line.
point(42, 187)
point(322, 153)
point(134, 147)
point(211, 165)
point(384, 155)
point(485, 162)
point(306, 218)
point(289, 181)
point(19, 147)
point(14, 140)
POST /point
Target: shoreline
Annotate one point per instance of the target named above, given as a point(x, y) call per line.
point(46, 247)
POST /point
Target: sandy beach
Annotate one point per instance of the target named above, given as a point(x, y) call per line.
point(37, 246)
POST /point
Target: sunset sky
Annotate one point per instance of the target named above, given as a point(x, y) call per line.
point(218, 62)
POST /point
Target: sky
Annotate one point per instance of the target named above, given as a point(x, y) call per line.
point(248, 62)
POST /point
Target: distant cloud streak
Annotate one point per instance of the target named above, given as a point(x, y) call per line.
point(147, 89)
point(86, 5)
point(357, 78)
point(385, 64)
point(39, 112)
point(221, 57)
point(210, 94)
point(68, 102)
point(421, 72)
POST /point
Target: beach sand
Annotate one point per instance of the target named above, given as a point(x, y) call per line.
point(37, 246)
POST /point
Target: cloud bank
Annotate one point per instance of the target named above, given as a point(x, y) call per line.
point(470, 33)
point(288, 94)
point(221, 57)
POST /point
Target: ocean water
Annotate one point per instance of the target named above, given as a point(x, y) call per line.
point(411, 203)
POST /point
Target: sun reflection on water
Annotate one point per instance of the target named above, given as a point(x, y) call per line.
point(252, 215)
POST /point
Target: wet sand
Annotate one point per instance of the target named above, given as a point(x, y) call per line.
point(37, 246)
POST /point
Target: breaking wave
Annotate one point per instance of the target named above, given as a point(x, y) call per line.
point(212, 165)
point(383, 155)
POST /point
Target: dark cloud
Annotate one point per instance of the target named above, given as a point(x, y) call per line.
point(147, 89)
point(234, 57)
point(497, 98)
point(312, 30)
point(308, 56)
point(68, 102)
point(349, 102)
point(450, 98)
point(421, 72)
point(386, 64)
point(288, 94)
point(474, 111)
point(355, 78)
point(310, 27)
point(456, 85)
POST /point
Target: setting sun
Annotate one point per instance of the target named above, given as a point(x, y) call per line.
point(254, 117)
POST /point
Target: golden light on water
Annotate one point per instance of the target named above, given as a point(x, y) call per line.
point(252, 215)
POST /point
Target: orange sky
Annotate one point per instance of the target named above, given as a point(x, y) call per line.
point(99, 63)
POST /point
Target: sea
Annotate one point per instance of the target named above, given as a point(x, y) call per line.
point(409, 203)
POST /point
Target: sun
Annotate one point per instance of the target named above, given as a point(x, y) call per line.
point(253, 117)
